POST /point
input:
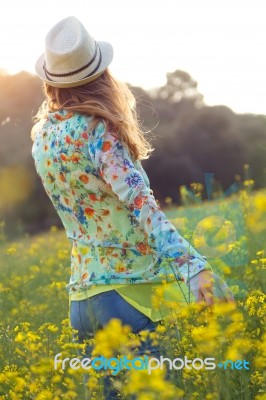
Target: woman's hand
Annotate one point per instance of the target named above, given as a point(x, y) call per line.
point(207, 286)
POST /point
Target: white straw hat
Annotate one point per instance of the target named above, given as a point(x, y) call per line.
point(72, 57)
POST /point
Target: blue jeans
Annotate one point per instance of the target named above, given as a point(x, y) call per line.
point(89, 315)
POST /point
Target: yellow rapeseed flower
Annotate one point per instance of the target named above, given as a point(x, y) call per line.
point(45, 395)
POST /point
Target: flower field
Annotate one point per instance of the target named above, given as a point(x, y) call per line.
point(34, 324)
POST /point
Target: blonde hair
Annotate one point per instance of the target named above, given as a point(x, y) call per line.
point(107, 100)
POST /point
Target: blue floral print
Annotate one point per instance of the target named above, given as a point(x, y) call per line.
point(118, 232)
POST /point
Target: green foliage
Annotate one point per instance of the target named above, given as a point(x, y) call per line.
point(190, 139)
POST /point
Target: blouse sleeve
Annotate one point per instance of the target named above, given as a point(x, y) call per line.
point(112, 161)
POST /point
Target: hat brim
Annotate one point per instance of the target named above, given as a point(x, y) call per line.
point(107, 56)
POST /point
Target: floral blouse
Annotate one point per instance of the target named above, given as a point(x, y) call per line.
point(119, 233)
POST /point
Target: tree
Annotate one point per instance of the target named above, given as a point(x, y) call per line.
point(180, 85)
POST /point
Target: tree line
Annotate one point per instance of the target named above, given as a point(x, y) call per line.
point(189, 137)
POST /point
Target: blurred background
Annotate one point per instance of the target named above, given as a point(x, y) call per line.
point(197, 70)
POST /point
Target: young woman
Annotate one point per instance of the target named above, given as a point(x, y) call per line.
point(87, 149)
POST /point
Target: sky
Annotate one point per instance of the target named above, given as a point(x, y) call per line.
point(220, 44)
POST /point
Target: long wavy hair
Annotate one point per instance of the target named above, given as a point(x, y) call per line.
point(107, 100)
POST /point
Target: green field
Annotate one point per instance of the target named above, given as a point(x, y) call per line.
point(34, 323)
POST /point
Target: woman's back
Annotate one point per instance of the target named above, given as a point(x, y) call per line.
point(109, 243)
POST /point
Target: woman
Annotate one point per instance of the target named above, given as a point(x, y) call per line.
point(88, 148)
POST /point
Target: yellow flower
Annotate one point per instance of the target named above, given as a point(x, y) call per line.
point(11, 250)
point(45, 395)
point(150, 386)
point(260, 202)
point(114, 337)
